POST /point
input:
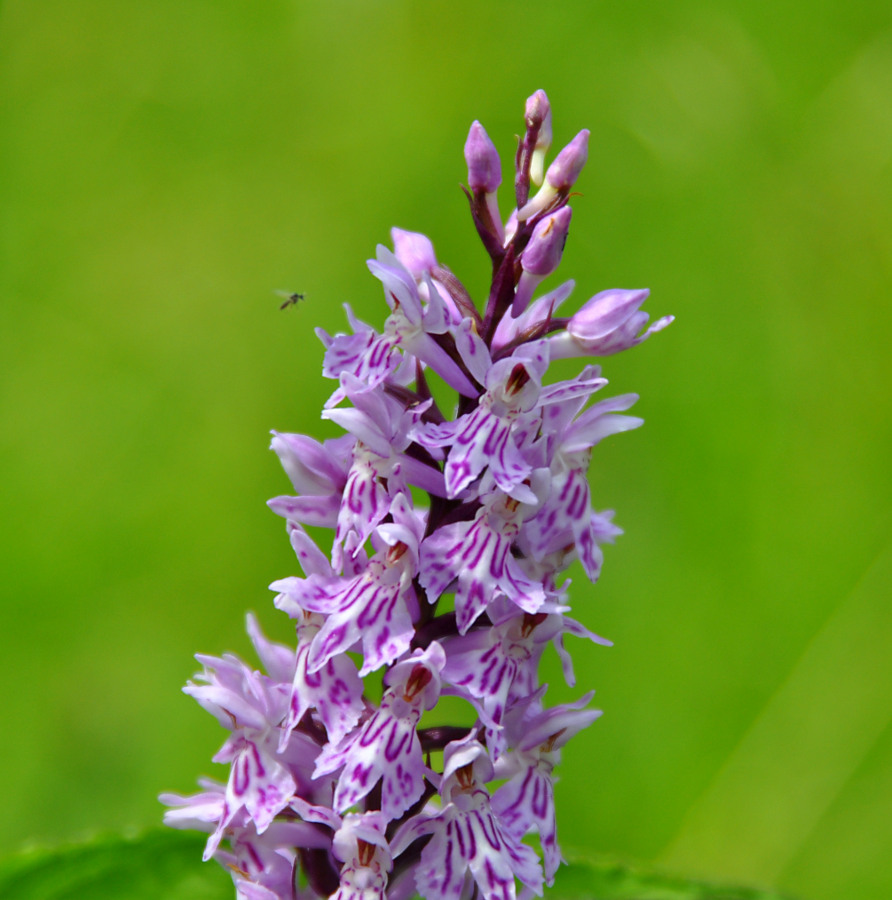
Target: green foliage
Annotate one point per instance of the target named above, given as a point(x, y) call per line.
point(166, 864)
point(603, 879)
point(158, 865)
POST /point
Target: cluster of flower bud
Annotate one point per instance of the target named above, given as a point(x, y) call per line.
point(343, 781)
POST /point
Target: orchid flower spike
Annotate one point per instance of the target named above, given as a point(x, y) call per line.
point(432, 538)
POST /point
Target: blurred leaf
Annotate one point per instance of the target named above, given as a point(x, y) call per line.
point(167, 864)
point(157, 864)
point(605, 879)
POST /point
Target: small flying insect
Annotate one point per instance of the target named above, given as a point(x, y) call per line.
point(291, 298)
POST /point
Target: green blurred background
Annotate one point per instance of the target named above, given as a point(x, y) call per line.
point(167, 165)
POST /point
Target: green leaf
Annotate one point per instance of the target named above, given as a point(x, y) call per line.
point(156, 865)
point(166, 865)
point(605, 879)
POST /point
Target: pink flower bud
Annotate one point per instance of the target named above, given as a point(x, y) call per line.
point(538, 111)
point(565, 169)
point(606, 324)
point(541, 256)
point(560, 177)
point(543, 253)
point(484, 165)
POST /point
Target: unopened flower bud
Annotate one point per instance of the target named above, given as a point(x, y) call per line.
point(543, 253)
point(541, 256)
point(565, 169)
point(606, 324)
point(484, 178)
point(484, 165)
point(560, 177)
point(538, 111)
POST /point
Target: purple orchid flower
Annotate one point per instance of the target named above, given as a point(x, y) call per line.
point(375, 606)
point(526, 801)
point(318, 473)
point(476, 557)
point(469, 842)
point(359, 846)
point(485, 437)
point(387, 748)
point(251, 706)
point(452, 520)
point(566, 517)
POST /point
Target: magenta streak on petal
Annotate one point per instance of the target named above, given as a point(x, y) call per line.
point(359, 592)
point(488, 828)
point(539, 802)
point(497, 438)
point(474, 604)
point(343, 361)
point(392, 752)
point(459, 836)
point(381, 352)
point(255, 857)
point(402, 795)
point(504, 679)
point(447, 862)
point(313, 679)
point(379, 604)
point(478, 542)
point(586, 546)
point(256, 754)
point(372, 734)
point(472, 836)
point(240, 776)
point(497, 883)
point(497, 562)
point(489, 668)
point(354, 494)
point(459, 474)
point(332, 641)
point(338, 692)
point(356, 590)
point(525, 791)
point(381, 640)
point(475, 422)
point(360, 774)
point(576, 507)
point(401, 780)
point(459, 546)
